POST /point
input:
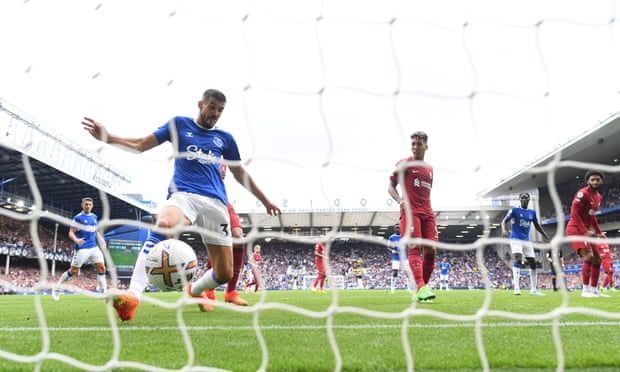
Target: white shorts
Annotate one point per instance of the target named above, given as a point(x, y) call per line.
point(86, 255)
point(395, 264)
point(443, 277)
point(208, 213)
point(521, 246)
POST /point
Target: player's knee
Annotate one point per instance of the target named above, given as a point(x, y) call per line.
point(168, 223)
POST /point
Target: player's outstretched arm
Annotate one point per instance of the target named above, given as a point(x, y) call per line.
point(99, 132)
point(247, 181)
point(540, 229)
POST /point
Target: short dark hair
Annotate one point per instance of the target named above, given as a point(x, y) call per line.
point(87, 198)
point(593, 172)
point(421, 135)
point(218, 95)
point(524, 194)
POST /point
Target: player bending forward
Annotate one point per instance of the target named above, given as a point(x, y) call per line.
point(196, 194)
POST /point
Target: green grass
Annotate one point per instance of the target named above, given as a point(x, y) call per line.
point(366, 326)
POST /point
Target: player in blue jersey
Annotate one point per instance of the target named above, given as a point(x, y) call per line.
point(521, 219)
point(196, 195)
point(444, 274)
point(399, 259)
point(86, 242)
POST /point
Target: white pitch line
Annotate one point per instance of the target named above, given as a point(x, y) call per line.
point(287, 328)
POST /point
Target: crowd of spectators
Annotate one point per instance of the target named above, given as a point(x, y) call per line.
point(466, 271)
point(285, 265)
point(610, 192)
point(15, 233)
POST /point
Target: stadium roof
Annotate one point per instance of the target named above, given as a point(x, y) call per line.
point(456, 225)
point(598, 146)
point(64, 192)
point(61, 193)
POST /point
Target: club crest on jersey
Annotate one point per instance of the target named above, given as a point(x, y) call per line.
point(217, 141)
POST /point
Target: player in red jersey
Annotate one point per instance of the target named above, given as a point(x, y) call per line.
point(319, 250)
point(236, 230)
point(417, 218)
point(583, 222)
point(608, 268)
point(255, 263)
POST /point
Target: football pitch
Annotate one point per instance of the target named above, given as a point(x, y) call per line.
point(354, 330)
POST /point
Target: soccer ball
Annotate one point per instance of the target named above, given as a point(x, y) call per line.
point(170, 264)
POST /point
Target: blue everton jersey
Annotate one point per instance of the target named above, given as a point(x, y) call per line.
point(444, 268)
point(197, 169)
point(85, 228)
point(393, 241)
point(521, 220)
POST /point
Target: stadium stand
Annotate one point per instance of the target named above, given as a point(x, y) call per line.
point(61, 189)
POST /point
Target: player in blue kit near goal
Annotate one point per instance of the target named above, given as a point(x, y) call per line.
point(399, 262)
point(521, 219)
point(87, 241)
point(196, 196)
point(444, 274)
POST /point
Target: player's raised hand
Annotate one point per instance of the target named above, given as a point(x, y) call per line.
point(272, 209)
point(95, 128)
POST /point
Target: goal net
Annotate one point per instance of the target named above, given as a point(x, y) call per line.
point(322, 97)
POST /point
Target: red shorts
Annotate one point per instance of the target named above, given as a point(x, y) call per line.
point(581, 245)
point(423, 227)
point(577, 245)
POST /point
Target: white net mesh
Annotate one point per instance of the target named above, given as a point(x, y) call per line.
point(320, 93)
